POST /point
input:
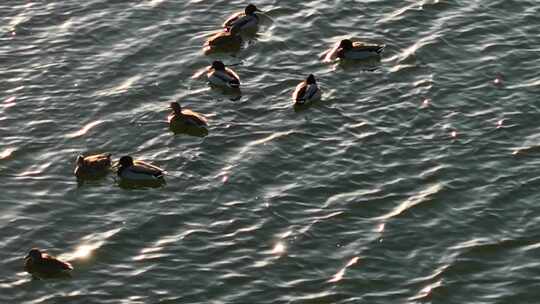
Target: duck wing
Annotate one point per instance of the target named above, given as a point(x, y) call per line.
point(235, 81)
point(311, 91)
point(229, 22)
point(331, 54)
point(98, 160)
point(299, 93)
point(146, 168)
point(244, 21)
point(216, 39)
point(369, 47)
point(196, 117)
point(50, 262)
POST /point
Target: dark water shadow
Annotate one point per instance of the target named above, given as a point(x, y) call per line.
point(365, 65)
point(51, 276)
point(133, 185)
point(92, 179)
point(180, 128)
point(234, 94)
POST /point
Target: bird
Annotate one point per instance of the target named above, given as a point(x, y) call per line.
point(306, 91)
point(41, 265)
point(244, 21)
point(355, 50)
point(224, 41)
point(221, 76)
point(185, 117)
point(92, 166)
point(138, 171)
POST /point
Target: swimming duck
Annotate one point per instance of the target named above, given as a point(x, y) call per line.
point(355, 50)
point(42, 265)
point(246, 20)
point(184, 117)
point(221, 76)
point(134, 171)
point(306, 91)
point(92, 166)
point(224, 41)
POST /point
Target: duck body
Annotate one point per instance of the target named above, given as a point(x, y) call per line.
point(348, 50)
point(141, 171)
point(306, 92)
point(138, 171)
point(361, 52)
point(42, 265)
point(187, 118)
point(221, 76)
point(242, 22)
point(92, 166)
point(223, 41)
point(245, 21)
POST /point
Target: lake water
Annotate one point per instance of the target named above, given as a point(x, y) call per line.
point(414, 180)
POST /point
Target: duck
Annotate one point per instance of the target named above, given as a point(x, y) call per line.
point(135, 171)
point(244, 21)
point(224, 41)
point(222, 76)
point(355, 50)
point(92, 166)
point(306, 91)
point(42, 265)
point(185, 117)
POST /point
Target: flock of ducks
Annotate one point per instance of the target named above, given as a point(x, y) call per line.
point(140, 173)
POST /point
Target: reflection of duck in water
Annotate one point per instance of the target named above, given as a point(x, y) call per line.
point(243, 21)
point(355, 51)
point(222, 76)
point(92, 166)
point(41, 265)
point(138, 171)
point(225, 41)
point(306, 92)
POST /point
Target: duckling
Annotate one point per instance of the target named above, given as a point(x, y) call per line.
point(92, 166)
point(42, 265)
point(224, 41)
point(355, 50)
point(185, 117)
point(134, 171)
point(221, 76)
point(306, 91)
point(246, 20)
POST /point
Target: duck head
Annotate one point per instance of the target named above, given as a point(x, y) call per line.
point(218, 65)
point(176, 107)
point(125, 162)
point(34, 254)
point(310, 79)
point(346, 44)
point(251, 9)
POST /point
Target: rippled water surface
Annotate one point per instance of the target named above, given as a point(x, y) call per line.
point(414, 180)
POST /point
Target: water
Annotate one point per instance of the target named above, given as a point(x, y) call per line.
point(401, 186)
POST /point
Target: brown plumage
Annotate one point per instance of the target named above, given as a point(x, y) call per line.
point(42, 265)
point(92, 166)
point(225, 41)
point(180, 116)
